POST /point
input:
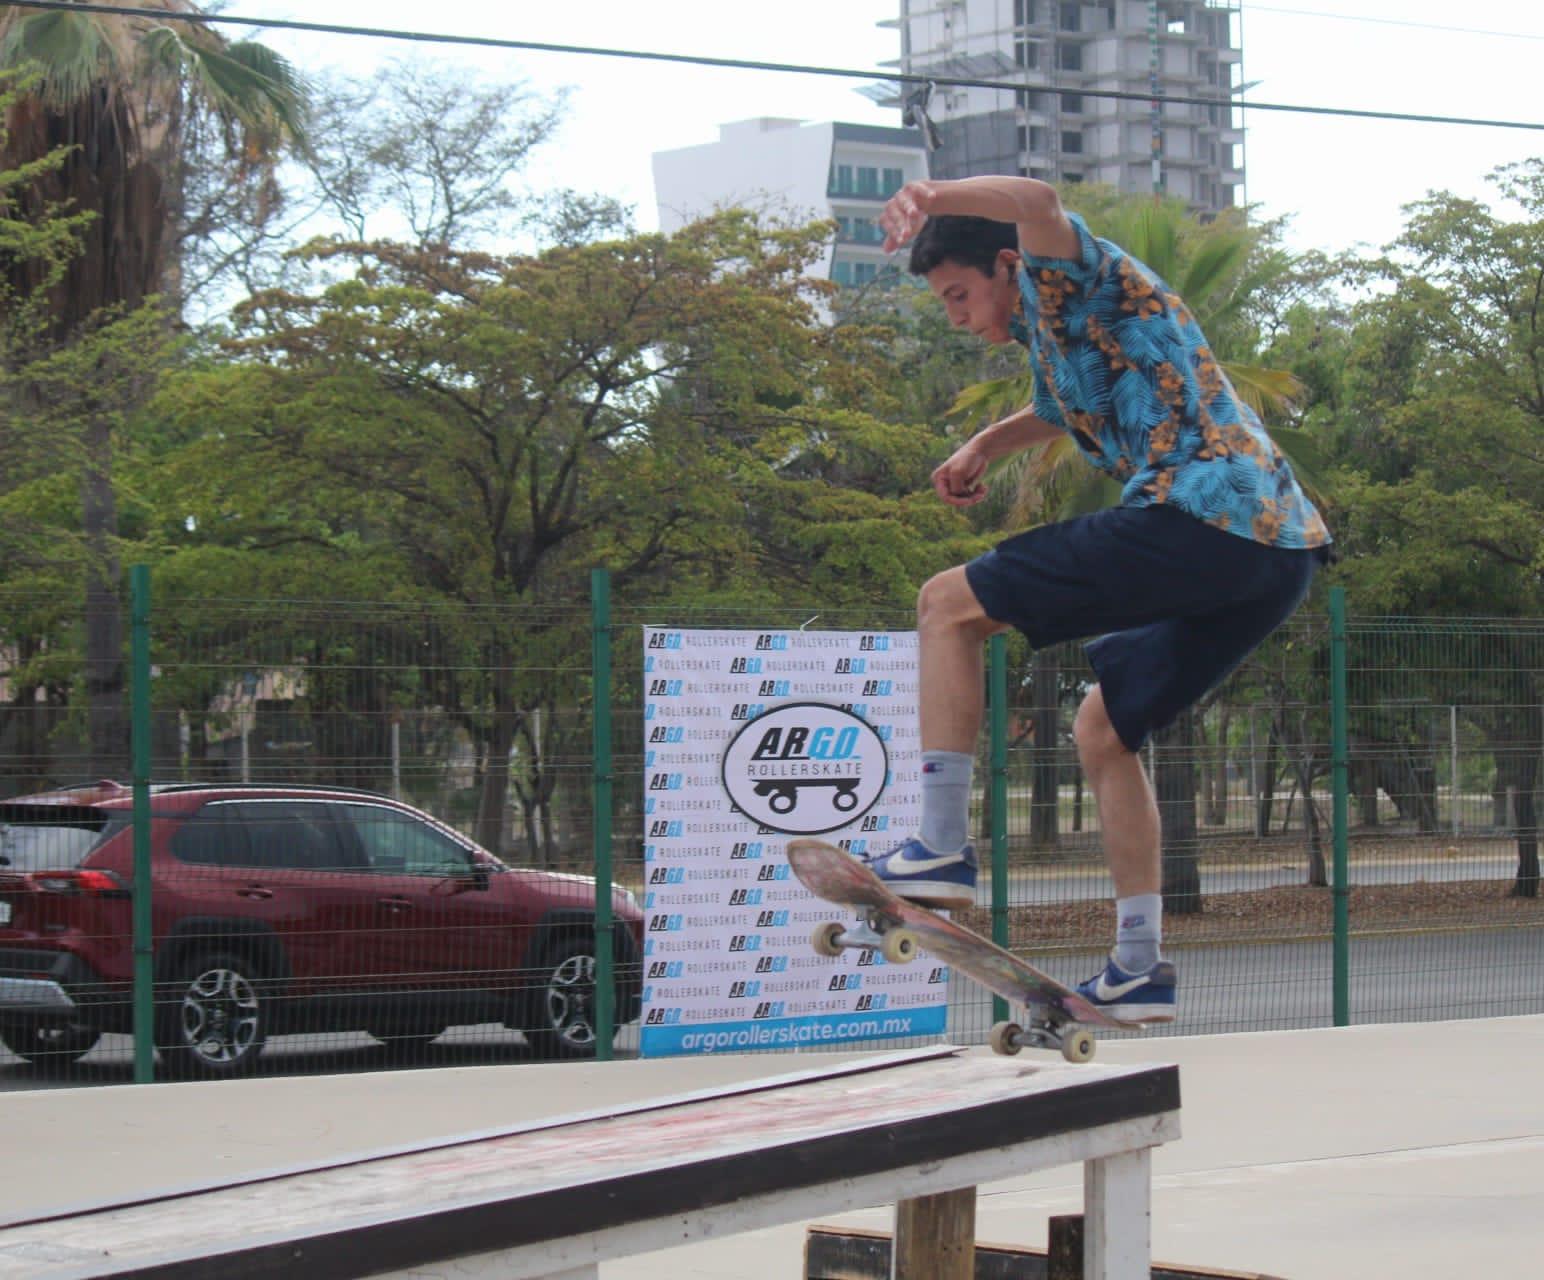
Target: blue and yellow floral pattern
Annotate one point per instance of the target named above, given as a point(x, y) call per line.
point(1121, 365)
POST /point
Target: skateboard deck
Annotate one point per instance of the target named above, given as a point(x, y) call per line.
point(838, 877)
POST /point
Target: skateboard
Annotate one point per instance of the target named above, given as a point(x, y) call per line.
point(897, 928)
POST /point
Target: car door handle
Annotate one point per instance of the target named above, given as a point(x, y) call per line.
point(254, 891)
point(396, 904)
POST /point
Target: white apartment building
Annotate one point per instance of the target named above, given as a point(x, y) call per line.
point(1059, 51)
point(798, 171)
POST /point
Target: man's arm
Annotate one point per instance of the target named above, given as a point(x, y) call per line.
point(959, 479)
point(1031, 205)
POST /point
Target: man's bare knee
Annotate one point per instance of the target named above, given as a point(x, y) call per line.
point(946, 601)
point(1094, 733)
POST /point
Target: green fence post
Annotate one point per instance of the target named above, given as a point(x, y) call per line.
point(1340, 780)
point(605, 954)
point(139, 769)
point(997, 804)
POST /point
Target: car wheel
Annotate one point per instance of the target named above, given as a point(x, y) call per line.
point(49, 1045)
point(563, 1011)
point(213, 1022)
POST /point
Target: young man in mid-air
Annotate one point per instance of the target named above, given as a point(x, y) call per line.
point(1212, 546)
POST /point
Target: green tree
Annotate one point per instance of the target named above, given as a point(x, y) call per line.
point(491, 427)
point(119, 95)
point(1441, 477)
point(35, 252)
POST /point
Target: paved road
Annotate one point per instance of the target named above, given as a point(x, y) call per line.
point(1285, 986)
point(1222, 989)
point(1090, 881)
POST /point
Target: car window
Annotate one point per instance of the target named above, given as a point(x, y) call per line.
point(396, 843)
point(292, 835)
point(214, 837)
point(47, 838)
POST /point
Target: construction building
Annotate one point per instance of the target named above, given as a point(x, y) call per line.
point(1062, 52)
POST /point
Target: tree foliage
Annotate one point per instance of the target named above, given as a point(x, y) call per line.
point(486, 429)
point(1442, 411)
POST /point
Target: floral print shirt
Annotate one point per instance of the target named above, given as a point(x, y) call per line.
point(1121, 365)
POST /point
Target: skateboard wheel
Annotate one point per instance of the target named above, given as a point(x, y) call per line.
point(827, 938)
point(1078, 1046)
point(1006, 1038)
point(899, 946)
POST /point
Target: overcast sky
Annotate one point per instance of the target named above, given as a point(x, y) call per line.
point(1343, 181)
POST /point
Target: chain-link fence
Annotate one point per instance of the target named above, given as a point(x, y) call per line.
point(1444, 749)
point(337, 906)
point(323, 776)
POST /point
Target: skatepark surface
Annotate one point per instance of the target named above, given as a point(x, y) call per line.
point(1410, 1150)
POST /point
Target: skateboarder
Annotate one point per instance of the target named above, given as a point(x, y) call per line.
point(1212, 546)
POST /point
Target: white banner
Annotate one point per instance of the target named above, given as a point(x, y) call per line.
point(751, 738)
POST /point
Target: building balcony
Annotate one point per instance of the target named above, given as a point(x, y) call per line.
point(860, 239)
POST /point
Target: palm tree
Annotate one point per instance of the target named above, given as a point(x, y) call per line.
point(123, 95)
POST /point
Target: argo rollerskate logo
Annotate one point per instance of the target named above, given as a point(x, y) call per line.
point(805, 768)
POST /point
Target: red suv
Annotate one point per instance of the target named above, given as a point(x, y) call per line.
point(287, 909)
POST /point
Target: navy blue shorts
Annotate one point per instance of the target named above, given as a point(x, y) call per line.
point(1176, 604)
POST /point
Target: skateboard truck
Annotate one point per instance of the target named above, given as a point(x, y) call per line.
point(1075, 1043)
point(897, 946)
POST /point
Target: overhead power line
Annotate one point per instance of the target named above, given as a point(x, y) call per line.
point(1396, 22)
point(741, 64)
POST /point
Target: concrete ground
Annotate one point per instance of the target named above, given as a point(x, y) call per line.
point(1410, 1150)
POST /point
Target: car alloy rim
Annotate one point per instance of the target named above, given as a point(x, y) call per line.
point(571, 1000)
point(219, 1015)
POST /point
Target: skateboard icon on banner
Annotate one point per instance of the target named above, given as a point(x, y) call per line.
point(805, 768)
point(784, 795)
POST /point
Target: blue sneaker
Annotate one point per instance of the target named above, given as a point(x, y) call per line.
point(1133, 997)
point(914, 872)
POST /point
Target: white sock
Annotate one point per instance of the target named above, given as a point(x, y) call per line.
point(945, 800)
point(1138, 931)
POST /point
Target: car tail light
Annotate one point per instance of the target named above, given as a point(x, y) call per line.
point(89, 882)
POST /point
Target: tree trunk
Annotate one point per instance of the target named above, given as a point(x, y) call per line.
point(1364, 782)
point(1318, 873)
point(1524, 780)
point(1265, 786)
point(1044, 775)
point(1174, 782)
point(528, 822)
point(493, 800)
point(1217, 809)
point(107, 726)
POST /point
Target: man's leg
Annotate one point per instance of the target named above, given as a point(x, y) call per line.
point(939, 865)
point(1136, 985)
point(951, 630)
point(1128, 812)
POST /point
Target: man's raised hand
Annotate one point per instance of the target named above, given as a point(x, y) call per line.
point(905, 212)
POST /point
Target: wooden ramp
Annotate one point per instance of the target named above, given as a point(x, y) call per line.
point(556, 1197)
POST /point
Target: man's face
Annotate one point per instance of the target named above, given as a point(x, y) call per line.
point(977, 301)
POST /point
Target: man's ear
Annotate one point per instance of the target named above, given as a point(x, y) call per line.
point(1008, 258)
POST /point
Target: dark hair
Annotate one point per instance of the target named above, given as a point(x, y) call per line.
point(961, 239)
